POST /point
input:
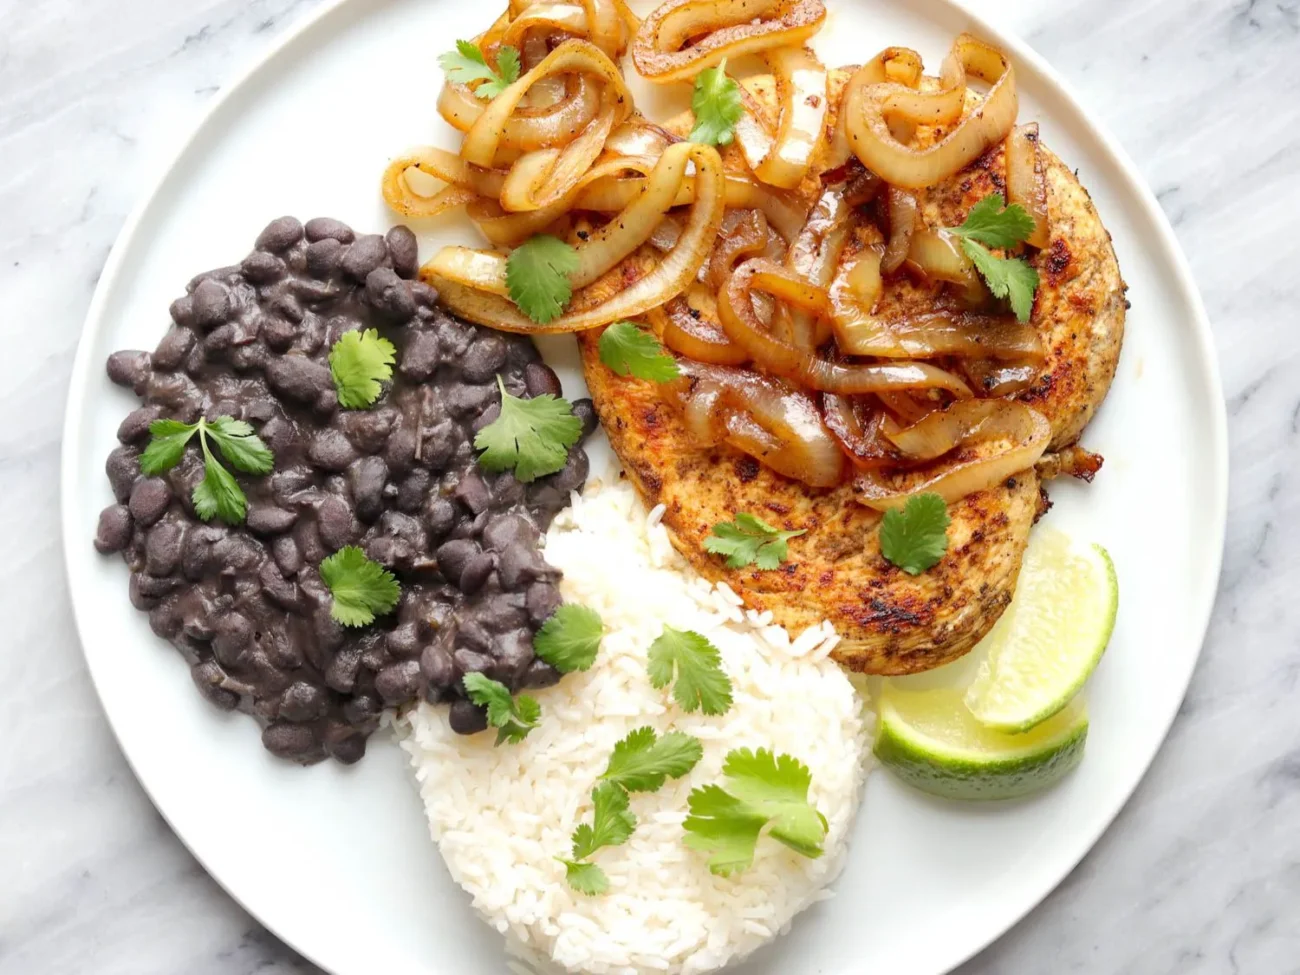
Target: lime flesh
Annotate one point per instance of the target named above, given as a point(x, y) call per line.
point(1046, 645)
point(931, 741)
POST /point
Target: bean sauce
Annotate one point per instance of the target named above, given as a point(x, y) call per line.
point(245, 605)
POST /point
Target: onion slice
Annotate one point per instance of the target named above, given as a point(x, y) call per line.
point(1025, 181)
point(473, 283)
point(903, 219)
point(403, 197)
point(802, 94)
point(867, 109)
point(1024, 431)
point(718, 29)
point(813, 256)
point(686, 329)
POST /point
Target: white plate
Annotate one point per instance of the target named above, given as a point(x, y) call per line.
point(337, 861)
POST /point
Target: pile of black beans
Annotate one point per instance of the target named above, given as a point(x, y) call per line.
point(246, 605)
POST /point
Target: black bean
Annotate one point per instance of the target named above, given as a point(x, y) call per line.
point(363, 256)
point(302, 702)
point(367, 429)
point(212, 303)
point(507, 490)
point(129, 368)
point(326, 404)
point(520, 564)
point(514, 653)
point(441, 443)
point(473, 635)
point(520, 352)
point(389, 295)
point(398, 682)
point(307, 535)
point(209, 678)
point(267, 519)
point(196, 557)
point(114, 530)
point(146, 590)
point(399, 451)
point(504, 611)
point(277, 588)
point(476, 572)
point(467, 718)
point(539, 674)
point(288, 307)
point(585, 411)
point(149, 499)
point(374, 651)
point(182, 312)
point(173, 348)
point(322, 257)
point(335, 523)
point(470, 528)
point(412, 490)
point(506, 529)
point(237, 553)
point(421, 356)
point(489, 415)
point(426, 295)
point(299, 378)
point(280, 235)
point(286, 740)
point(322, 228)
point(437, 667)
point(574, 473)
point(286, 555)
point(541, 378)
point(135, 427)
point(362, 709)
point(341, 674)
point(366, 477)
point(439, 516)
point(484, 359)
point(262, 267)
point(403, 641)
point(543, 601)
point(346, 746)
point(463, 400)
point(404, 251)
point(330, 450)
point(454, 556)
point(473, 662)
point(122, 468)
point(472, 492)
point(233, 635)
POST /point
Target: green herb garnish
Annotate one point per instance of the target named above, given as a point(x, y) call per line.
point(218, 494)
point(1009, 278)
point(717, 106)
point(513, 717)
point(570, 639)
point(532, 437)
point(632, 351)
point(361, 589)
point(749, 540)
point(701, 684)
point(466, 65)
point(360, 362)
point(915, 538)
point(537, 277)
point(642, 760)
point(611, 825)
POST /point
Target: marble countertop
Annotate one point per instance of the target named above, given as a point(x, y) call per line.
point(1201, 872)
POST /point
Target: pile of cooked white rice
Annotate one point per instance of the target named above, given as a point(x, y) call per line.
point(502, 815)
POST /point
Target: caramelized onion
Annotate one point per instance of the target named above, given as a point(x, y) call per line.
point(903, 218)
point(743, 235)
point(402, 197)
point(859, 429)
point(527, 128)
point(1025, 431)
point(741, 323)
point(997, 379)
point(765, 417)
point(718, 29)
point(473, 283)
point(1025, 182)
point(686, 329)
point(801, 93)
point(813, 256)
point(544, 176)
point(867, 109)
point(899, 65)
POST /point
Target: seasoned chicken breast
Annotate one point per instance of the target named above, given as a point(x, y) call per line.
point(891, 622)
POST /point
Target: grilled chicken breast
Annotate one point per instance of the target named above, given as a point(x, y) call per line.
point(890, 622)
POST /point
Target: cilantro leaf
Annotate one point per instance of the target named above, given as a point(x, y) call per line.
point(218, 493)
point(642, 760)
point(585, 878)
point(531, 436)
point(701, 683)
point(513, 718)
point(240, 446)
point(611, 822)
point(569, 640)
point(764, 790)
point(749, 540)
point(717, 106)
point(991, 222)
point(629, 350)
point(359, 362)
point(1008, 278)
point(915, 538)
point(361, 589)
point(166, 446)
point(537, 276)
point(466, 65)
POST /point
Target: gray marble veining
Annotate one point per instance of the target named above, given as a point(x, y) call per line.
point(1200, 874)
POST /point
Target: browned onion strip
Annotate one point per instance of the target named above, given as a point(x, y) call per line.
point(868, 107)
point(1026, 432)
point(545, 176)
point(744, 235)
point(402, 197)
point(528, 128)
point(859, 429)
point(606, 27)
point(903, 220)
point(765, 417)
point(473, 283)
point(899, 65)
point(1025, 182)
point(942, 430)
point(449, 168)
point(906, 407)
point(686, 330)
point(639, 137)
point(541, 19)
point(488, 134)
point(741, 323)
point(997, 379)
point(718, 29)
point(813, 256)
point(802, 94)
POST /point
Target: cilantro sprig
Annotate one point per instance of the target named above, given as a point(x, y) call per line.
point(717, 106)
point(700, 683)
point(631, 351)
point(360, 589)
point(570, 639)
point(513, 717)
point(764, 791)
point(992, 223)
point(360, 362)
point(749, 540)
point(218, 495)
point(916, 538)
point(640, 762)
point(537, 277)
point(466, 65)
point(532, 437)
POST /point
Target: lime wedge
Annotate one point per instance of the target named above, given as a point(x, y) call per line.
point(931, 741)
point(1039, 654)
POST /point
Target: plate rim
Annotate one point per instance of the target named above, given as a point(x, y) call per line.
point(1200, 340)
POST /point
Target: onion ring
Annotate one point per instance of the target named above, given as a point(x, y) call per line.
point(802, 94)
point(1025, 182)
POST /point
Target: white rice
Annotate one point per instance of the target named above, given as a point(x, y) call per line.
point(500, 816)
